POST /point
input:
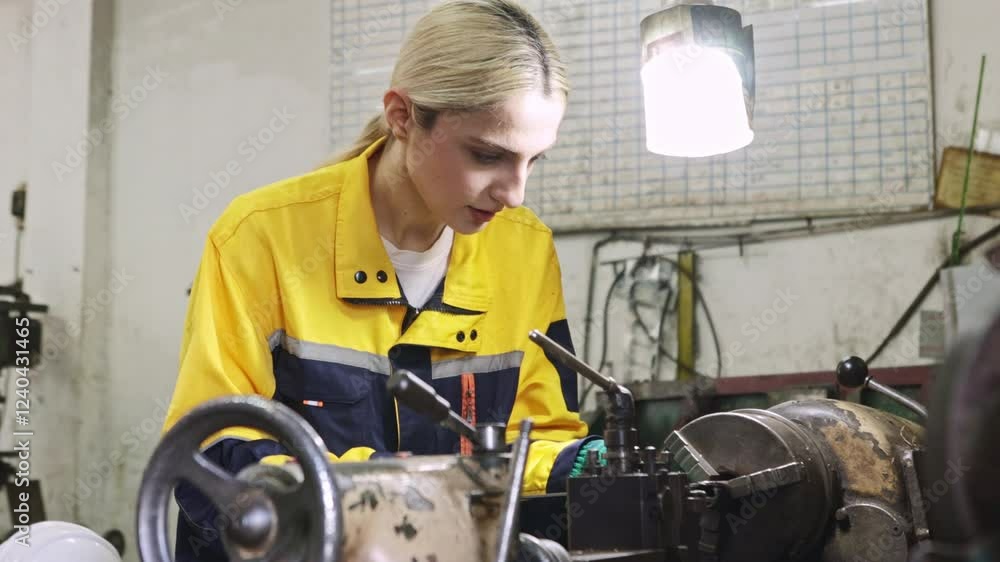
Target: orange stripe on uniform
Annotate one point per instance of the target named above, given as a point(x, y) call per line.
point(468, 408)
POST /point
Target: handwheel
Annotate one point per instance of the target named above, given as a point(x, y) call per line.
point(301, 523)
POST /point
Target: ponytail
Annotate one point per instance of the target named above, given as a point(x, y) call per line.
point(375, 129)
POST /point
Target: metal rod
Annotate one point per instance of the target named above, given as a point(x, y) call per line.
point(459, 425)
point(421, 398)
point(518, 462)
point(686, 303)
point(956, 240)
point(903, 399)
point(606, 383)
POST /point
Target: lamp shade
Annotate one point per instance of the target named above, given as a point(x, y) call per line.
point(697, 81)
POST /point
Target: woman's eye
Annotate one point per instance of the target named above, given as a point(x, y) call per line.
point(485, 157)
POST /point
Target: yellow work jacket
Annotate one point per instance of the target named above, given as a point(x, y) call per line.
point(296, 299)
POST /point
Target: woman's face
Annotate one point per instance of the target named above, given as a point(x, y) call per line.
point(470, 166)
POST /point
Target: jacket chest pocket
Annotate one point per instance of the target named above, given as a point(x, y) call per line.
point(337, 400)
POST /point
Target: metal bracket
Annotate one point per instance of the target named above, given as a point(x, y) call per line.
point(766, 480)
point(689, 459)
point(913, 495)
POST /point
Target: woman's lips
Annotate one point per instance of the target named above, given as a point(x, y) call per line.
point(481, 215)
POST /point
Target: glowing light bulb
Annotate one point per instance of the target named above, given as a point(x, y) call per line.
point(694, 103)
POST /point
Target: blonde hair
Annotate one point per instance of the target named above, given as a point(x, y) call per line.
point(469, 55)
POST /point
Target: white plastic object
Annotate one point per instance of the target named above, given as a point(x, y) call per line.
point(58, 541)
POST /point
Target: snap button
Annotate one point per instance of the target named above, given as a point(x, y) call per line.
point(460, 336)
point(381, 276)
point(473, 335)
point(360, 277)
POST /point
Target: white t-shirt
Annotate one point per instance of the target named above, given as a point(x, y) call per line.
point(420, 272)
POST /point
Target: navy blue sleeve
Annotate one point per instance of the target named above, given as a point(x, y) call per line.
point(564, 465)
point(559, 332)
point(199, 521)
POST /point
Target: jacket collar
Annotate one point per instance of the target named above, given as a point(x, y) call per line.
point(360, 254)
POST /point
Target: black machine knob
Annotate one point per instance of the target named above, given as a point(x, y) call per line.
point(852, 372)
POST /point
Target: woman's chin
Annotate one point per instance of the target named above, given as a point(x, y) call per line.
point(468, 227)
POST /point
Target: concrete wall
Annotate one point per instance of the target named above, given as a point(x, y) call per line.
point(65, 243)
point(15, 96)
point(134, 124)
point(220, 101)
point(962, 33)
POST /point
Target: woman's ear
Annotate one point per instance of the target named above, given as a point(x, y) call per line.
point(397, 113)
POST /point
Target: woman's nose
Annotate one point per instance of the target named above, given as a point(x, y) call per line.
point(510, 192)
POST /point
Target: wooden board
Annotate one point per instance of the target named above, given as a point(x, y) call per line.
point(984, 179)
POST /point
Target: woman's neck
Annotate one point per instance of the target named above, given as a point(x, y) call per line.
point(401, 214)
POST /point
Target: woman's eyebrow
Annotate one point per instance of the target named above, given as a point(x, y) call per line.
point(498, 147)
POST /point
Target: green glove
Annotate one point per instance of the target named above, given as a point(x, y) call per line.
point(581, 456)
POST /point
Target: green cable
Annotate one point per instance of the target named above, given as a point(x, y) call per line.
point(956, 239)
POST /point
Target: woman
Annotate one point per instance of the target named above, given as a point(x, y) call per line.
point(409, 251)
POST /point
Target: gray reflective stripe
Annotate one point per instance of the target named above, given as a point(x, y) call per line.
point(380, 364)
point(330, 353)
point(480, 364)
point(275, 340)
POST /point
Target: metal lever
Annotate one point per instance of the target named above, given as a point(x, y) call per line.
point(604, 382)
point(620, 435)
point(518, 462)
point(852, 372)
point(420, 397)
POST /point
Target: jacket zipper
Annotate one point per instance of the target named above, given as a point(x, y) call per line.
point(407, 322)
